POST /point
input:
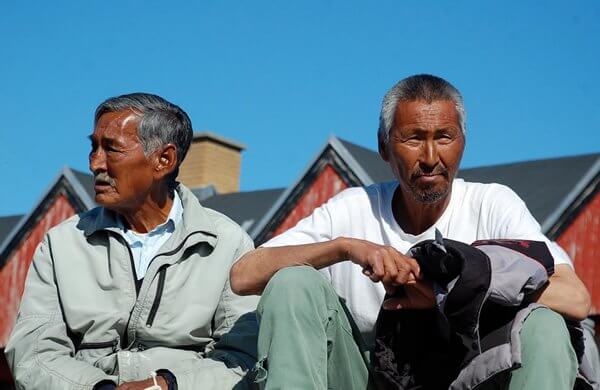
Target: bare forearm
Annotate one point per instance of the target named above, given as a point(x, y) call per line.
point(566, 294)
point(253, 271)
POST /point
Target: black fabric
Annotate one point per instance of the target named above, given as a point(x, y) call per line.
point(105, 385)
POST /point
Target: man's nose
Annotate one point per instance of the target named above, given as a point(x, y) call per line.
point(97, 161)
point(429, 155)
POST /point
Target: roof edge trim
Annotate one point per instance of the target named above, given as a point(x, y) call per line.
point(68, 175)
point(572, 196)
point(78, 187)
point(15, 230)
point(359, 171)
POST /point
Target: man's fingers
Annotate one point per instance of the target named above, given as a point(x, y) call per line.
point(408, 269)
point(391, 270)
point(377, 267)
point(414, 267)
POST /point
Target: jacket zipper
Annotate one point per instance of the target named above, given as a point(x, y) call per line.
point(125, 341)
point(161, 280)
point(98, 345)
point(133, 278)
point(159, 291)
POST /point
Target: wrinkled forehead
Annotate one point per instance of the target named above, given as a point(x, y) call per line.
point(436, 111)
point(124, 123)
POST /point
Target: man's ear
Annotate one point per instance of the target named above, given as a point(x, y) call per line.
point(166, 161)
point(383, 150)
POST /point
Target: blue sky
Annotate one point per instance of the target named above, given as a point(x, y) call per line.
point(280, 77)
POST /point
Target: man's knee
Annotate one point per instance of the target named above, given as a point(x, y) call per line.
point(294, 286)
point(545, 333)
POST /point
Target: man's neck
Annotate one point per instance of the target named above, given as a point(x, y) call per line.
point(151, 213)
point(415, 217)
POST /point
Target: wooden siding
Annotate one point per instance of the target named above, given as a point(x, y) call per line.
point(581, 240)
point(327, 183)
point(14, 272)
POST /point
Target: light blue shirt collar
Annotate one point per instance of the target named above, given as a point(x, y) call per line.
point(144, 246)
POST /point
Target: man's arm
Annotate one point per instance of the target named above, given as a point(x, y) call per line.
point(566, 294)
point(39, 352)
point(382, 263)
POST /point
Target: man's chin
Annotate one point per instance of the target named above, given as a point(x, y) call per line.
point(429, 195)
point(105, 200)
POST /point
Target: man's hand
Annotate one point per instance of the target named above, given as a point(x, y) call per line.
point(141, 385)
point(383, 263)
point(419, 295)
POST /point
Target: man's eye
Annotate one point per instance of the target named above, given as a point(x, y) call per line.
point(413, 140)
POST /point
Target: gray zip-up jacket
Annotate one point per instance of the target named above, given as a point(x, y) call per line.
point(81, 320)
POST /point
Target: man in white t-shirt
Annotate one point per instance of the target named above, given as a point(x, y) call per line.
point(357, 241)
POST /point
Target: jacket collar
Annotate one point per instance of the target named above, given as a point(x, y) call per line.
point(195, 217)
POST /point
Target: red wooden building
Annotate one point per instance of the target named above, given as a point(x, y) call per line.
point(562, 193)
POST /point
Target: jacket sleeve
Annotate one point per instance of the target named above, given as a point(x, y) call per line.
point(235, 330)
point(516, 275)
point(39, 351)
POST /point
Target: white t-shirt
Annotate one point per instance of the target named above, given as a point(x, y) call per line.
point(476, 211)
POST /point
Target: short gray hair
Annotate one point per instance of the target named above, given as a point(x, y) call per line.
point(418, 87)
point(161, 122)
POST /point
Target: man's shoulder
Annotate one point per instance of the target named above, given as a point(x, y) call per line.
point(353, 194)
point(484, 191)
point(226, 227)
point(76, 224)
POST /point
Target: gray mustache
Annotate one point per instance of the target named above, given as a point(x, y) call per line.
point(439, 170)
point(104, 178)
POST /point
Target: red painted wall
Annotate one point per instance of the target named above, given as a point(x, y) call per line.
point(581, 240)
point(12, 275)
point(327, 184)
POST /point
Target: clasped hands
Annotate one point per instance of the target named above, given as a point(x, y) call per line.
point(384, 264)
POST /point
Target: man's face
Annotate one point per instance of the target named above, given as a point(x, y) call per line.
point(425, 148)
point(123, 175)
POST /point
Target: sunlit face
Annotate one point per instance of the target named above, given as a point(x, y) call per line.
point(425, 148)
point(123, 175)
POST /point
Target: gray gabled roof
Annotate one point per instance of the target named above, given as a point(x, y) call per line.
point(245, 208)
point(370, 161)
point(7, 224)
point(66, 182)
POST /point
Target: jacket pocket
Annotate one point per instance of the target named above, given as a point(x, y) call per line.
point(93, 352)
point(99, 345)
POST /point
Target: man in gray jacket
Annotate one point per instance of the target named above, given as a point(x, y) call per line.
point(139, 285)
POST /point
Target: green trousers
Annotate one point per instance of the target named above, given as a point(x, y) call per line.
point(306, 341)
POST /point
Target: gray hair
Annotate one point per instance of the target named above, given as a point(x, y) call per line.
point(161, 122)
point(418, 87)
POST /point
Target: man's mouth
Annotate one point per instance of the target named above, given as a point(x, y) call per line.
point(102, 183)
point(429, 175)
point(428, 178)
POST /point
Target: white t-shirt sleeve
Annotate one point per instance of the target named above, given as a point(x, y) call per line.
point(315, 228)
point(509, 218)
